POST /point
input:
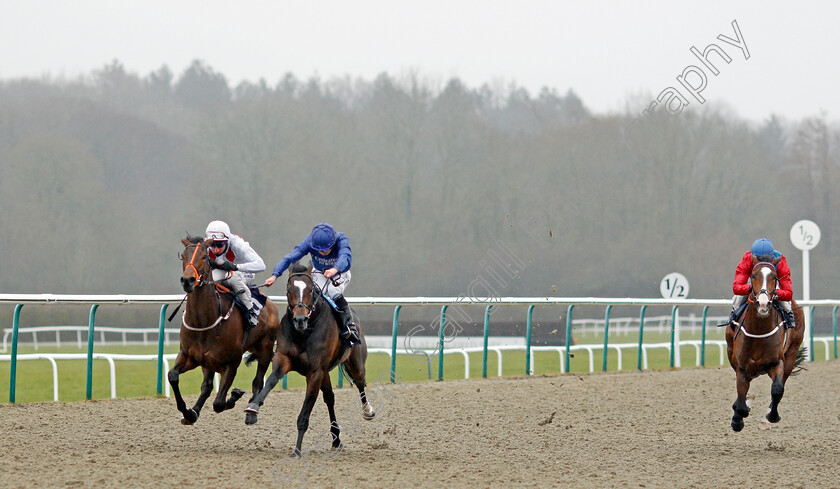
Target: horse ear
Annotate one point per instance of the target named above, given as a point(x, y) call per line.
point(185, 241)
point(207, 242)
point(754, 260)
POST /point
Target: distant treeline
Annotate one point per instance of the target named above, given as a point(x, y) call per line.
point(443, 189)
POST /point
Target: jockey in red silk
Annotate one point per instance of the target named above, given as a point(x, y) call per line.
point(233, 254)
point(763, 250)
point(331, 258)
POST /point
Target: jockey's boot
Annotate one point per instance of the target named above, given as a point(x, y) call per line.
point(733, 319)
point(253, 318)
point(347, 328)
point(790, 321)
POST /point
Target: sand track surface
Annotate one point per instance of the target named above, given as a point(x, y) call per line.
point(650, 429)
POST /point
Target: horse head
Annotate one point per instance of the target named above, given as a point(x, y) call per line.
point(763, 283)
point(300, 294)
point(194, 262)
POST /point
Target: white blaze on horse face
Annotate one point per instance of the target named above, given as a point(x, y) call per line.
point(301, 286)
point(764, 297)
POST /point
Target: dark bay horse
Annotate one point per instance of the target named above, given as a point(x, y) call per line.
point(762, 345)
point(308, 343)
point(212, 332)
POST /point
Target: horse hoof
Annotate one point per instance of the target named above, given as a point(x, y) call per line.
point(368, 412)
point(235, 394)
point(764, 425)
point(750, 399)
point(250, 418)
point(771, 418)
point(190, 417)
point(253, 408)
point(737, 425)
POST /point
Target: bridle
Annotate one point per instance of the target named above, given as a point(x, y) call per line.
point(198, 275)
point(751, 301)
point(311, 307)
point(753, 293)
point(198, 283)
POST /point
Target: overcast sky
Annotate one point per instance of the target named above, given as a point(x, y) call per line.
point(616, 55)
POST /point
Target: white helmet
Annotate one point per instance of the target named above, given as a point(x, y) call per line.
point(217, 231)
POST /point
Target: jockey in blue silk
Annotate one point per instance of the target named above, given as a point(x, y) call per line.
point(233, 254)
point(331, 257)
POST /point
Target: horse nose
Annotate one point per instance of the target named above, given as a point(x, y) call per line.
point(300, 323)
point(188, 283)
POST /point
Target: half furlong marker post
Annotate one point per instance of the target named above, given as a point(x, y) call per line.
point(606, 336)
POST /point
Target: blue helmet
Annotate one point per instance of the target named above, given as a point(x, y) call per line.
point(763, 249)
point(323, 237)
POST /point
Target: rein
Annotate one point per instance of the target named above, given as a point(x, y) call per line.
point(310, 308)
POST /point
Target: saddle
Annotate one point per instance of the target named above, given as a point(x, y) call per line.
point(258, 298)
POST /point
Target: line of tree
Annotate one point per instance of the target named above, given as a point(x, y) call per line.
point(102, 176)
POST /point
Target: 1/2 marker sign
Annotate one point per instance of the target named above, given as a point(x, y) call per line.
point(674, 286)
point(805, 235)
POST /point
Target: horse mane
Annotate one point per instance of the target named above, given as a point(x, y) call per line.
point(297, 268)
point(194, 239)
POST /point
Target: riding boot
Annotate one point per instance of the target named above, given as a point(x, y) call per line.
point(733, 319)
point(347, 328)
point(790, 321)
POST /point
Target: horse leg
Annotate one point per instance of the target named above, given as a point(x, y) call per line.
point(221, 402)
point(313, 385)
point(281, 366)
point(740, 405)
point(206, 389)
point(355, 367)
point(777, 390)
point(259, 378)
point(182, 364)
point(329, 400)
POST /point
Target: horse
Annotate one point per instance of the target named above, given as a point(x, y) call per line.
point(308, 343)
point(212, 334)
point(761, 344)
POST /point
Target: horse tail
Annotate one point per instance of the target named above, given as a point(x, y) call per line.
point(801, 355)
point(250, 359)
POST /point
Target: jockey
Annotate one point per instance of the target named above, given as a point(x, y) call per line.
point(331, 256)
point(233, 254)
point(762, 250)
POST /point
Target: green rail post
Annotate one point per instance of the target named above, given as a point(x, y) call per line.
point(285, 382)
point(340, 377)
point(834, 327)
point(486, 336)
point(440, 344)
point(811, 329)
point(528, 366)
point(641, 335)
point(703, 338)
point(161, 337)
point(568, 334)
point(606, 335)
point(673, 332)
point(394, 342)
point(89, 382)
point(13, 366)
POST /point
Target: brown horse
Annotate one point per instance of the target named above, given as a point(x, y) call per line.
point(309, 344)
point(212, 333)
point(762, 344)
